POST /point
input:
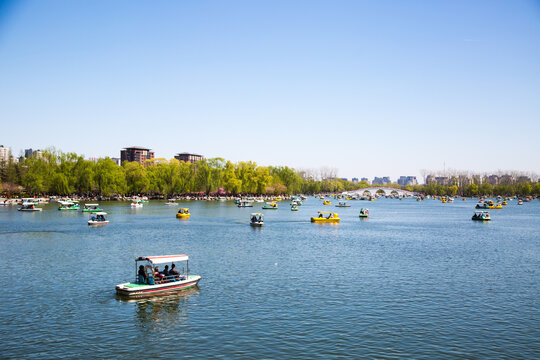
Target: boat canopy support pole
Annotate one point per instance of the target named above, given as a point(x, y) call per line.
point(187, 269)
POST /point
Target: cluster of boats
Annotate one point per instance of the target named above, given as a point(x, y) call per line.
point(97, 217)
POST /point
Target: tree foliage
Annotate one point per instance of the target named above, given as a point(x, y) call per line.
point(58, 173)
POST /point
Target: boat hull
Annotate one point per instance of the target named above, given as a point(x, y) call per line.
point(97, 223)
point(256, 224)
point(136, 290)
point(324, 220)
point(183, 216)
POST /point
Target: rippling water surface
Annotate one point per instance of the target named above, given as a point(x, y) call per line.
point(415, 280)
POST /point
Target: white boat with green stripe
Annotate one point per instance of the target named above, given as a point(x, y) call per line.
point(149, 282)
point(91, 208)
point(72, 205)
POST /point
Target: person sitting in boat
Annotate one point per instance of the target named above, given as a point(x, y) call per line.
point(93, 218)
point(330, 216)
point(157, 275)
point(142, 275)
point(165, 272)
point(320, 215)
point(253, 218)
point(174, 272)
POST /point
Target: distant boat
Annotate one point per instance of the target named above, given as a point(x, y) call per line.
point(98, 219)
point(257, 219)
point(245, 203)
point(69, 206)
point(29, 207)
point(270, 206)
point(481, 216)
point(183, 213)
point(364, 213)
point(90, 208)
point(323, 218)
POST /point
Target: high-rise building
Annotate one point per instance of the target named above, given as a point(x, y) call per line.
point(30, 153)
point(407, 180)
point(187, 157)
point(136, 153)
point(381, 180)
point(5, 154)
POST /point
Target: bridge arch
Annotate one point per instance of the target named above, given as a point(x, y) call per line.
point(381, 189)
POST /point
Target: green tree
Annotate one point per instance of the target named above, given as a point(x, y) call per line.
point(185, 179)
point(452, 190)
point(83, 173)
point(136, 177)
point(485, 189)
point(109, 177)
point(526, 188)
point(471, 190)
point(59, 185)
point(231, 183)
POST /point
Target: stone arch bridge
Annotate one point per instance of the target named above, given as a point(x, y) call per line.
point(387, 191)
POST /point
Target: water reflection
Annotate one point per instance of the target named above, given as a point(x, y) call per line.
point(162, 310)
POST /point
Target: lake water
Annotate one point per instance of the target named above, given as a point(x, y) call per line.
point(416, 280)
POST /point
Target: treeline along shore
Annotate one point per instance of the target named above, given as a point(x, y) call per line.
point(58, 173)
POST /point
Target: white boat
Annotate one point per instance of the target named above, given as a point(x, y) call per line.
point(72, 205)
point(28, 201)
point(29, 207)
point(136, 204)
point(171, 202)
point(257, 219)
point(343, 204)
point(148, 283)
point(98, 219)
point(245, 203)
point(91, 208)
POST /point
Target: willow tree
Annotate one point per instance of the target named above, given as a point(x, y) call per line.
point(109, 177)
point(136, 177)
point(83, 172)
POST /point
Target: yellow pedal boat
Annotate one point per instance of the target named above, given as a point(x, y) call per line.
point(183, 213)
point(331, 218)
point(327, 202)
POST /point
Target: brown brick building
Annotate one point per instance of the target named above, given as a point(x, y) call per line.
point(187, 157)
point(136, 153)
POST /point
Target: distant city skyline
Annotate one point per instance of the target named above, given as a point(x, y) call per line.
point(368, 88)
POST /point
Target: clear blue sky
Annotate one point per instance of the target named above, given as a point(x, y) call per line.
point(371, 88)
